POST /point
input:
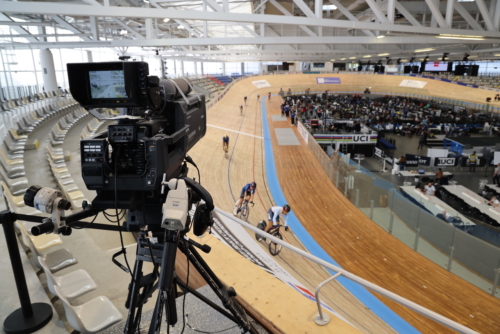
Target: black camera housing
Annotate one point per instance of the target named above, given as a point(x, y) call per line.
point(126, 164)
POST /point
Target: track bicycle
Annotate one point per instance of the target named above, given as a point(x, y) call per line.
point(225, 147)
point(274, 248)
point(244, 210)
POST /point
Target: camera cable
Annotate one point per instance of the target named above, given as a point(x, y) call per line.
point(124, 251)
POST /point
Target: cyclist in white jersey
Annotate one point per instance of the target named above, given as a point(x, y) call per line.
point(273, 216)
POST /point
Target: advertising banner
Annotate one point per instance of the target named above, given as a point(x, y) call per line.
point(346, 138)
point(444, 162)
point(413, 84)
point(328, 80)
point(422, 160)
point(261, 83)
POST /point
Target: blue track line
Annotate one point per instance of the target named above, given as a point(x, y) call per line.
point(362, 294)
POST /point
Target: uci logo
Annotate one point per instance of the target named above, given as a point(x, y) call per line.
point(360, 139)
point(412, 162)
point(446, 161)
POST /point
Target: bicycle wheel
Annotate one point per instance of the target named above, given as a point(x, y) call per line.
point(275, 248)
point(261, 225)
point(244, 213)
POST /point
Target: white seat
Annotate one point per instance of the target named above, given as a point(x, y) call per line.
point(72, 285)
point(39, 246)
point(91, 317)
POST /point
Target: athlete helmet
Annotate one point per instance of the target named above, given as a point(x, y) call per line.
point(253, 184)
point(286, 208)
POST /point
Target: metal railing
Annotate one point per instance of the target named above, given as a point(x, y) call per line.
point(342, 272)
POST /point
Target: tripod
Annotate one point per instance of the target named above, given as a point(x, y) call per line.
point(164, 255)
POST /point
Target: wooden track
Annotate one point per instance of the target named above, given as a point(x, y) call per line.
point(403, 271)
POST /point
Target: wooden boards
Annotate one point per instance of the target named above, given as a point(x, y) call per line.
point(375, 256)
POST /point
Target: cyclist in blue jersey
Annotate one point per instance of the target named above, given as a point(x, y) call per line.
point(225, 143)
point(247, 193)
point(273, 216)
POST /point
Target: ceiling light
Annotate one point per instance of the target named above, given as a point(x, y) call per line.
point(180, 27)
point(424, 50)
point(342, 58)
point(381, 36)
point(383, 54)
point(367, 56)
point(352, 57)
point(465, 37)
point(146, 1)
point(498, 55)
point(123, 32)
point(329, 7)
point(166, 20)
point(334, 59)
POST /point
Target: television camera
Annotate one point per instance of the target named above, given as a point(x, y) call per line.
point(139, 165)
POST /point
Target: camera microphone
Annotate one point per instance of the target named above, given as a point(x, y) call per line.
point(190, 160)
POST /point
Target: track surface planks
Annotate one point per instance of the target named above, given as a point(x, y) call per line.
point(405, 272)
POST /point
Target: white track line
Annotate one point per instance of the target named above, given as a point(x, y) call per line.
point(243, 133)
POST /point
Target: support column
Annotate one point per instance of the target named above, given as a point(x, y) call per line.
point(202, 71)
point(182, 68)
point(450, 5)
point(94, 27)
point(196, 68)
point(90, 59)
point(242, 68)
point(224, 68)
point(48, 70)
point(261, 68)
point(149, 29)
point(318, 11)
point(433, 19)
point(496, 18)
point(390, 10)
point(262, 25)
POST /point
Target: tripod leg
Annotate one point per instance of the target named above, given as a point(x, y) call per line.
point(224, 294)
point(133, 298)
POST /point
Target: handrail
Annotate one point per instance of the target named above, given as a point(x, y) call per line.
point(386, 293)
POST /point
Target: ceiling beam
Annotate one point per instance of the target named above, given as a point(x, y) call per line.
point(467, 17)
point(486, 16)
point(127, 28)
point(18, 29)
point(49, 8)
point(436, 13)
point(402, 9)
point(348, 14)
point(66, 25)
point(300, 40)
point(24, 24)
point(287, 13)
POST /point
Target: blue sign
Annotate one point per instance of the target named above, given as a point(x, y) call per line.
point(328, 80)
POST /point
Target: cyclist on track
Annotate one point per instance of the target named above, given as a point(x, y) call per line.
point(225, 142)
point(258, 97)
point(273, 216)
point(247, 193)
point(245, 98)
point(241, 109)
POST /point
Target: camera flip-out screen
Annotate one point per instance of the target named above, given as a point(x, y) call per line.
point(107, 84)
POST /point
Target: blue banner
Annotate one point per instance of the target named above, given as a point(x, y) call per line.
point(329, 80)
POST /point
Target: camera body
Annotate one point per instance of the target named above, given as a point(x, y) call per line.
point(126, 164)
